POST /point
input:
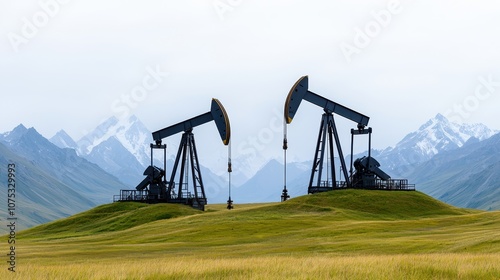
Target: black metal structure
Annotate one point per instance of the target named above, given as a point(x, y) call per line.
point(154, 188)
point(367, 174)
point(229, 171)
point(284, 194)
point(327, 133)
point(187, 157)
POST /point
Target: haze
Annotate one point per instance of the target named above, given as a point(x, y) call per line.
point(72, 64)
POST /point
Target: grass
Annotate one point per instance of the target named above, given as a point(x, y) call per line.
point(108, 218)
point(441, 266)
point(348, 234)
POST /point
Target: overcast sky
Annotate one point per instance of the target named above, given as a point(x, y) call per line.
point(72, 64)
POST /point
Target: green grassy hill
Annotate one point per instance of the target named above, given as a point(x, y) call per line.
point(109, 218)
point(363, 204)
point(338, 205)
point(367, 226)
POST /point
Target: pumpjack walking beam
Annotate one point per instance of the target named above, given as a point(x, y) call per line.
point(187, 152)
point(327, 132)
point(300, 92)
point(217, 114)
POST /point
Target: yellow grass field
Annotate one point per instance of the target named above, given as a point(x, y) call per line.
point(337, 235)
point(409, 266)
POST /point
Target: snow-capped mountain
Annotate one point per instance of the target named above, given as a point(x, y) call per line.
point(12, 136)
point(52, 182)
point(441, 156)
point(115, 159)
point(435, 136)
point(120, 147)
point(63, 140)
point(465, 177)
point(438, 134)
point(131, 133)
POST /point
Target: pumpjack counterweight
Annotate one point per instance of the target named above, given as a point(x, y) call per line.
point(154, 188)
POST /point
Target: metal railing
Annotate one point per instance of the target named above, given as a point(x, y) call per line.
point(135, 195)
point(372, 184)
point(144, 196)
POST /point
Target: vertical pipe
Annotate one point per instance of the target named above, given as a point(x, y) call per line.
point(284, 193)
point(151, 181)
point(369, 145)
point(165, 161)
point(370, 142)
point(229, 167)
point(229, 170)
point(285, 147)
point(352, 150)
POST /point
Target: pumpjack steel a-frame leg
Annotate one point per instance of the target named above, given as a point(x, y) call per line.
point(187, 157)
point(327, 133)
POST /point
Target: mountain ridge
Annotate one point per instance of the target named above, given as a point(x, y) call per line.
point(434, 136)
point(53, 182)
point(479, 187)
point(131, 133)
point(402, 161)
point(64, 167)
point(63, 140)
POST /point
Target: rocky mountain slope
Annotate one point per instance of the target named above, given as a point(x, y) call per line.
point(52, 182)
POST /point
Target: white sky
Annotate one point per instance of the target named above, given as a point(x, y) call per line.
point(71, 70)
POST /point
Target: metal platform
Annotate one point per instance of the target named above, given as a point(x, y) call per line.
point(376, 184)
point(145, 197)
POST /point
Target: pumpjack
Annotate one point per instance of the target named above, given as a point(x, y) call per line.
point(368, 175)
point(154, 188)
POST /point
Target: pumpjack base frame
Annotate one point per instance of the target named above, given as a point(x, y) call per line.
point(187, 150)
point(152, 199)
point(372, 184)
